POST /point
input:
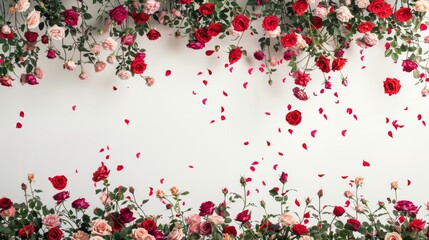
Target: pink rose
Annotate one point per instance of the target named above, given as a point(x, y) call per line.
point(80, 235)
point(426, 39)
point(216, 220)
point(51, 221)
point(348, 194)
point(111, 59)
point(10, 212)
point(191, 219)
point(109, 44)
point(70, 65)
point(28, 78)
point(39, 73)
point(33, 19)
point(80, 203)
point(194, 228)
point(362, 3)
point(56, 33)
point(205, 228)
point(105, 198)
point(100, 227)
point(51, 54)
point(124, 74)
point(392, 236)
point(425, 92)
point(5, 29)
point(409, 65)
point(127, 39)
point(139, 233)
point(321, 12)
point(370, 39)
point(99, 66)
point(150, 81)
point(22, 5)
point(95, 49)
point(176, 233)
point(273, 34)
point(195, 45)
point(151, 6)
point(83, 76)
point(286, 219)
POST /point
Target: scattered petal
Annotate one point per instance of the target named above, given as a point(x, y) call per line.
point(268, 143)
point(161, 180)
point(255, 163)
point(419, 117)
point(313, 133)
point(252, 168)
point(289, 107)
point(190, 166)
point(362, 57)
point(304, 145)
point(74, 107)
point(424, 123)
point(326, 117)
point(365, 163)
point(119, 168)
point(115, 88)
point(387, 120)
point(279, 130)
point(107, 157)
point(138, 155)
point(212, 121)
point(275, 166)
point(18, 125)
point(343, 132)
point(290, 131)
point(222, 118)
point(355, 117)
point(267, 113)
point(390, 134)
point(209, 52)
point(423, 27)
point(263, 183)
point(250, 71)
point(204, 101)
point(280, 154)
point(321, 175)
point(347, 204)
point(297, 202)
point(199, 73)
point(245, 85)
point(246, 143)
point(248, 179)
point(150, 191)
point(127, 121)
point(248, 193)
point(205, 82)
point(222, 109)
point(408, 182)
point(193, 92)
point(167, 73)
point(349, 110)
point(261, 69)
point(21, 114)
point(225, 94)
point(230, 69)
point(101, 150)
point(76, 171)
point(320, 110)
point(406, 108)
point(336, 94)
point(344, 177)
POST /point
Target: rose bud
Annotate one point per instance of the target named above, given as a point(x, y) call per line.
point(320, 193)
point(259, 55)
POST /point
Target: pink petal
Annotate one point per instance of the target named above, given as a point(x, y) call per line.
point(245, 85)
point(263, 183)
point(365, 163)
point(279, 130)
point(257, 190)
point(18, 125)
point(107, 147)
point(284, 80)
point(225, 94)
point(119, 168)
point(313, 133)
point(230, 69)
point(362, 57)
point(304, 145)
point(424, 123)
point(252, 168)
point(205, 82)
point(343, 132)
point(363, 67)
point(199, 73)
point(204, 101)
point(297, 202)
point(246, 143)
point(21, 114)
point(190, 166)
point(419, 117)
point(127, 121)
point(336, 94)
point(167, 73)
point(361, 51)
point(320, 110)
point(138, 155)
point(255, 163)
point(275, 166)
point(406, 108)
point(76, 171)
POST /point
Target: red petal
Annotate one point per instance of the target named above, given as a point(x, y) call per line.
point(248, 179)
point(107, 157)
point(161, 180)
point(18, 125)
point(280, 153)
point(390, 134)
point(167, 73)
point(115, 88)
point(355, 117)
point(267, 113)
point(225, 94)
point(101, 150)
point(268, 143)
point(344, 177)
point(127, 121)
point(408, 182)
point(246, 143)
point(349, 110)
point(205, 82)
point(209, 71)
point(252, 168)
point(275, 166)
point(222, 109)
point(307, 214)
point(343, 132)
point(423, 27)
point(250, 71)
point(290, 131)
point(245, 85)
point(212, 121)
point(222, 118)
point(320, 110)
point(336, 94)
point(304, 145)
point(279, 130)
point(199, 73)
point(261, 69)
point(150, 191)
point(74, 107)
point(297, 202)
point(248, 193)
point(289, 107)
point(387, 120)
point(365, 163)
point(119, 168)
point(263, 183)
point(313, 133)
point(321, 175)
point(193, 92)
point(419, 117)
point(424, 123)
point(204, 101)
point(230, 69)
point(190, 166)
point(21, 114)
point(406, 108)
point(347, 204)
point(326, 117)
point(255, 163)
point(209, 52)
point(138, 155)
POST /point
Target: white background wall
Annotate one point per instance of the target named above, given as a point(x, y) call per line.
point(171, 129)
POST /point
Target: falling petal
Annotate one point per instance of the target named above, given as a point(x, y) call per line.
point(423, 27)
point(343, 132)
point(297, 202)
point(252, 168)
point(115, 88)
point(225, 94)
point(119, 168)
point(419, 117)
point(190, 166)
point(230, 69)
point(347, 204)
point(161, 180)
point(336, 94)
point(263, 183)
point(349, 110)
point(212, 121)
point(246, 143)
point(387, 120)
point(127, 121)
point(248, 179)
point(362, 57)
point(365, 163)
point(107, 157)
point(74, 107)
point(344, 177)
point(261, 69)
point(313, 133)
point(150, 191)
point(248, 193)
point(107, 147)
point(250, 71)
point(76, 171)
point(406, 108)
point(255, 163)
point(205, 82)
point(355, 117)
point(390, 134)
point(245, 85)
point(280, 154)
point(257, 190)
point(268, 143)
point(222, 109)
point(289, 107)
point(424, 123)
point(267, 113)
point(363, 67)
point(284, 80)
point(408, 182)
point(290, 131)
point(222, 118)
point(304, 145)
point(320, 110)
point(21, 114)
point(138, 155)
point(209, 52)
point(326, 117)
point(209, 71)
point(199, 73)
point(101, 150)
point(18, 125)
point(193, 92)
point(279, 130)
point(167, 73)
point(275, 166)
point(321, 175)
point(204, 101)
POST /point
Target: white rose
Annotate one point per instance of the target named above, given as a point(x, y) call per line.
point(56, 33)
point(33, 19)
point(343, 14)
point(22, 5)
point(273, 34)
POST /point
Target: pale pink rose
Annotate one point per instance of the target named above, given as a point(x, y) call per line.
point(348, 194)
point(421, 5)
point(194, 228)
point(394, 185)
point(151, 6)
point(361, 43)
point(148, 237)
point(99, 66)
point(108, 24)
point(56, 33)
point(10, 212)
point(216, 220)
point(138, 233)
point(105, 198)
point(232, 32)
point(321, 12)
point(95, 49)
point(194, 218)
point(205, 228)
point(111, 59)
point(176, 12)
point(29, 47)
point(347, 2)
point(22, 5)
point(300, 43)
point(33, 19)
point(100, 227)
point(39, 73)
point(273, 62)
point(51, 221)
point(362, 3)
point(359, 181)
point(80, 235)
point(161, 16)
point(286, 219)
point(5, 29)
point(69, 65)
point(109, 44)
point(124, 74)
point(83, 76)
point(359, 208)
point(425, 92)
point(426, 39)
point(392, 236)
point(306, 237)
point(370, 39)
point(274, 33)
point(96, 238)
point(344, 14)
point(150, 81)
point(311, 1)
point(176, 233)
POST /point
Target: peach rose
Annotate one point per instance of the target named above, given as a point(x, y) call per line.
point(138, 233)
point(56, 33)
point(286, 219)
point(194, 228)
point(51, 221)
point(111, 59)
point(394, 185)
point(150, 81)
point(370, 39)
point(232, 32)
point(344, 14)
point(348, 194)
point(96, 238)
point(151, 6)
point(176, 233)
point(33, 19)
point(99, 66)
point(425, 92)
point(359, 181)
point(300, 42)
point(10, 212)
point(100, 227)
point(30, 177)
point(95, 49)
point(22, 5)
point(305, 237)
point(174, 190)
point(194, 218)
point(80, 235)
point(273, 61)
point(226, 236)
point(176, 12)
point(216, 220)
point(109, 44)
point(124, 75)
point(421, 6)
point(392, 236)
point(39, 73)
point(159, 193)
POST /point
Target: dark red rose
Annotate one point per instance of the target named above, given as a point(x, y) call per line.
point(31, 36)
point(29, 78)
point(54, 234)
point(364, 27)
point(339, 211)
point(299, 229)
point(240, 23)
point(207, 208)
point(259, 55)
point(202, 36)
point(153, 34)
point(283, 177)
point(117, 226)
point(408, 65)
point(58, 182)
point(289, 40)
point(235, 55)
point(270, 23)
point(243, 217)
point(323, 64)
point(102, 171)
point(45, 39)
point(300, 7)
point(126, 215)
point(214, 29)
point(338, 64)
point(51, 54)
point(149, 225)
point(230, 230)
point(185, 1)
point(70, 17)
point(6, 36)
point(206, 9)
point(205, 228)
point(5, 203)
point(195, 45)
point(140, 18)
point(403, 14)
point(317, 22)
point(353, 223)
point(26, 231)
point(138, 66)
point(404, 205)
point(118, 14)
point(61, 196)
point(158, 235)
point(392, 86)
point(80, 203)
point(294, 117)
point(417, 225)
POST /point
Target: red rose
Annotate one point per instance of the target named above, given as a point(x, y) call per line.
point(51, 54)
point(26, 231)
point(387, 11)
point(6, 36)
point(80, 203)
point(214, 29)
point(117, 226)
point(140, 18)
point(417, 225)
point(70, 17)
point(31, 36)
point(45, 39)
point(300, 7)
point(185, 1)
point(206, 208)
point(235, 55)
point(149, 225)
point(202, 36)
point(289, 40)
point(376, 6)
point(409, 65)
point(323, 64)
point(353, 223)
point(299, 229)
point(55, 234)
point(126, 216)
point(240, 23)
point(364, 27)
point(270, 23)
point(283, 177)
point(243, 217)
point(403, 14)
point(5, 203)
point(153, 34)
point(58, 182)
point(206, 9)
point(61, 196)
point(102, 171)
point(391, 86)
point(338, 64)
point(230, 230)
point(317, 22)
point(127, 39)
point(294, 117)
point(118, 14)
point(339, 211)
